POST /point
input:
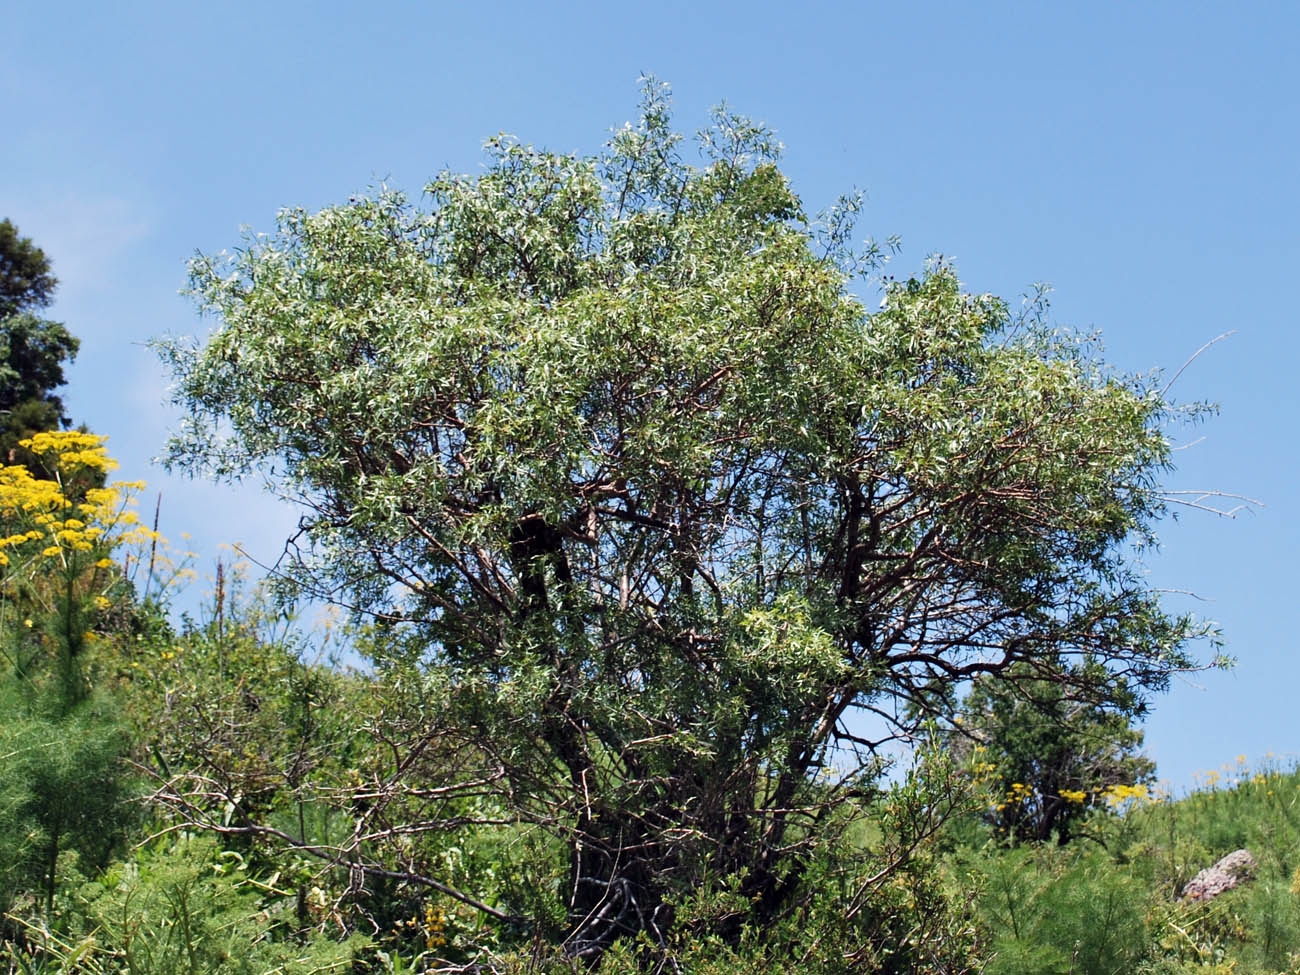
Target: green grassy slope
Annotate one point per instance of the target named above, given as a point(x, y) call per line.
point(1109, 903)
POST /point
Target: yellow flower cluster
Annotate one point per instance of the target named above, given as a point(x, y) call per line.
point(1231, 776)
point(1018, 794)
point(1116, 796)
point(64, 516)
point(433, 925)
point(74, 450)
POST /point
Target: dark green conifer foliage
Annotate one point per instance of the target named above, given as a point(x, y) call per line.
point(33, 349)
point(1054, 754)
point(25, 278)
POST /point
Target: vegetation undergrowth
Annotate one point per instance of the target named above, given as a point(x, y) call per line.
point(1111, 900)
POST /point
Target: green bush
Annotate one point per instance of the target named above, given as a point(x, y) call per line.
point(182, 907)
point(1052, 912)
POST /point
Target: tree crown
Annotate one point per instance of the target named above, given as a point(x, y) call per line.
point(658, 365)
point(26, 281)
point(662, 505)
point(32, 349)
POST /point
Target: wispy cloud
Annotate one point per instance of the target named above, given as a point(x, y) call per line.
point(89, 239)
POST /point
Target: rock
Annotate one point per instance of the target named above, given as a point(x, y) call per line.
point(1236, 868)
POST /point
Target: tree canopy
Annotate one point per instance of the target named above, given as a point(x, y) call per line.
point(1050, 756)
point(25, 278)
point(32, 349)
point(612, 454)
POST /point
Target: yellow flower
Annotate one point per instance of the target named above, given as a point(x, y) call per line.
point(1117, 795)
point(72, 449)
point(33, 509)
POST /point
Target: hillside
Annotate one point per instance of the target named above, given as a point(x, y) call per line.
point(1109, 902)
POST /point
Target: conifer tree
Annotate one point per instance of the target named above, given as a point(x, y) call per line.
point(33, 349)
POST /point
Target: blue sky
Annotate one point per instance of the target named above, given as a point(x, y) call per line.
point(1140, 157)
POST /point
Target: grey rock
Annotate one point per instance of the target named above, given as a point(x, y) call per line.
point(1234, 869)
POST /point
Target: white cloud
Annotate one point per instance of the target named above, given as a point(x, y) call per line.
point(86, 238)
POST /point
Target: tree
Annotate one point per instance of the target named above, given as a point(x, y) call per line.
point(1052, 756)
point(32, 349)
point(25, 278)
point(662, 506)
point(64, 788)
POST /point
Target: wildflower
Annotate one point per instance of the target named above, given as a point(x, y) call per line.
point(93, 521)
point(1119, 795)
point(435, 924)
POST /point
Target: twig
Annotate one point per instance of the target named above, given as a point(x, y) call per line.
point(1194, 355)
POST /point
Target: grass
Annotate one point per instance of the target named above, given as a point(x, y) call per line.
point(1109, 902)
